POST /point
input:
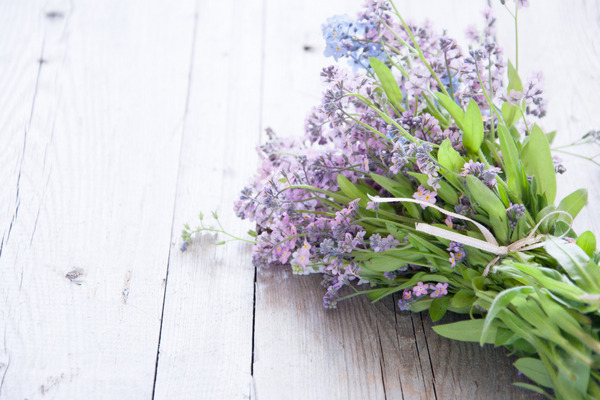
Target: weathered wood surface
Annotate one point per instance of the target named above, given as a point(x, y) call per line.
point(119, 121)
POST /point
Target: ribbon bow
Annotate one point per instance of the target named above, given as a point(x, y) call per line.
point(490, 244)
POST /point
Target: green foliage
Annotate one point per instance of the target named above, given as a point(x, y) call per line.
point(388, 82)
point(352, 191)
point(473, 128)
point(450, 158)
point(572, 204)
point(514, 82)
point(511, 114)
point(453, 109)
point(512, 163)
point(587, 242)
point(438, 308)
point(576, 263)
point(487, 200)
point(535, 370)
point(466, 331)
point(537, 161)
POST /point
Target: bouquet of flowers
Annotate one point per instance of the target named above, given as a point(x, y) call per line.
point(423, 173)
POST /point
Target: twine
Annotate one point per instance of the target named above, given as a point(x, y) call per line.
point(490, 244)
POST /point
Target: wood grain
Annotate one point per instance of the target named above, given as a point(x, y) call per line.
point(83, 267)
point(206, 340)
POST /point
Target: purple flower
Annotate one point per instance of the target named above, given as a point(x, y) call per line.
point(514, 97)
point(379, 244)
point(559, 168)
point(390, 275)
point(302, 258)
point(420, 289)
point(407, 299)
point(425, 195)
point(439, 290)
point(514, 213)
point(373, 205)
point(457, 253)
point(487, 176)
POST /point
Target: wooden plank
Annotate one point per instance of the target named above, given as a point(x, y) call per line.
point(22, 42)
point(83, 269)
point(466, 370)
point(561, 40)
point(206, 340)
point(305, 351)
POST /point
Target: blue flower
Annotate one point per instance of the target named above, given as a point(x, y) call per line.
point(336, 33)
point(346, 38)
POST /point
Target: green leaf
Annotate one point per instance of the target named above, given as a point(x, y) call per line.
point(488, 200)
point(450, 158)
point(453, 109)
point(567, 290)
point(537, 160)
point(392, 185)
point(544, 227)
point(473, 128)
point(533, 388)
point(388, 82)
point(510, 114)
point(501, 301)
point(466, 331)
point(587, 242)
point(351, 190)
point(421, 305)
point(512, 165)
point(383, 263)
point(503, 196)
point(535, 370)
point(551, 136)
point(438, 308)
point(393, 259)
point(484, 196)
point(463, 298)
point(575, 262)
point(514, 82)
point(503, 336)
point(400, 186)
point(573, 204)
point(427, 244)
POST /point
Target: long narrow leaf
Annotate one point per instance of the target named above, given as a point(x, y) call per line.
point(388, 82)
point(501, 301)
point(537, 160)
point(473, 128)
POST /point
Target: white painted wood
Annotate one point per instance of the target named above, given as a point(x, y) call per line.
point(206, 340)
point(96, 191)
point(561, 40)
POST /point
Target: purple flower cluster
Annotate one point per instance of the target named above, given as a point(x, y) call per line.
point(514, 213)
point(419, 290)
point(457, 253)
point(309, 197)
point(477, 169)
